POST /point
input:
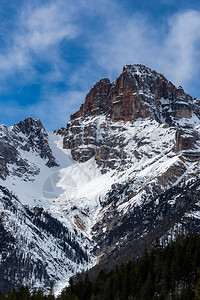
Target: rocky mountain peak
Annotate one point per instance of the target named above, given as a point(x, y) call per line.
point(29, 126)
point(138, 92)
point(37, 138)
point(16, 141)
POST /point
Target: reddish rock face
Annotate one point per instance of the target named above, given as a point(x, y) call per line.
point(134, 94)
point(138, 93)
point(182, 111)
point(185, 141)
point(96, 100)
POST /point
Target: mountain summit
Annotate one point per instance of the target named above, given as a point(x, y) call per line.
point(123, 172)
point(138, 92)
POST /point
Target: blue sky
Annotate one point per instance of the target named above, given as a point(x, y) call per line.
point(52, 52)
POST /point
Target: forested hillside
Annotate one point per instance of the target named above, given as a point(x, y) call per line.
point(169, 273)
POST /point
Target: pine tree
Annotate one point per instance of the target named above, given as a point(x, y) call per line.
point(197, 287)
point(2, 296)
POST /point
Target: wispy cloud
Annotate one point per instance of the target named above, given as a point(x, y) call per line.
point(181, 47)
point(39, 31)
point(46, 26)
point(127, 40)
point(173, 49)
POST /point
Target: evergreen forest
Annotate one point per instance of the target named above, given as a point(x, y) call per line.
point(169, 273)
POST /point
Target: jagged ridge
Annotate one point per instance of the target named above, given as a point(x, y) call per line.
point(16, 141)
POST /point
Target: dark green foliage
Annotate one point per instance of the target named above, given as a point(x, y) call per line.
point(23, 293)
point(197, 287)
point(169, 273)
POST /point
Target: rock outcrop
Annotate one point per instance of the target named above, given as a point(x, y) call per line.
point(25, 136)
point(137, 94)
point(37, 139)
point(3, 168)
point(185, 140)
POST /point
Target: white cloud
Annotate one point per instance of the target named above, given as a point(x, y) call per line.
point(181, 55)
point(128, 41)
point(46, 26)
point(37, 30)
point(41, 27)
point(172, 49)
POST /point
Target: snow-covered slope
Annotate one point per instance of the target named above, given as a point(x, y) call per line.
point(39, 242)
point(123, 172)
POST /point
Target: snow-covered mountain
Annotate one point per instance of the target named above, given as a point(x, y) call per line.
point(123, 172)
point(37, 248)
